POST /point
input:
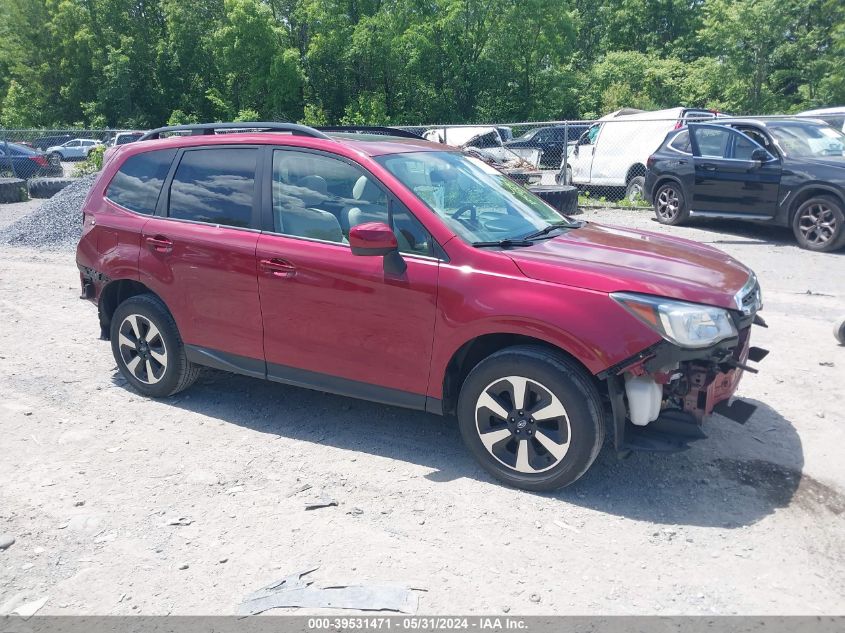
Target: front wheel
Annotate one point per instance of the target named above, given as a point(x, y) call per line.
point(55, 157)
point(669, 204)
point(531, 417)
point(819, 224)
point(148, 349)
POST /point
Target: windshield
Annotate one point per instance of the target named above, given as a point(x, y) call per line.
point(805, 140)
point(479, 203)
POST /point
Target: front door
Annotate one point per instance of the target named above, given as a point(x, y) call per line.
point(728, 181)
point(581, 160)
point(334, 320)
point(198, 255)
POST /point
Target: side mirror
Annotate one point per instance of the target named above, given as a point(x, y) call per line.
point(760, 154)
point(376, 238)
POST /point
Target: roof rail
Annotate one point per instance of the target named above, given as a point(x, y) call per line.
point(197, 129)
point(370, 129)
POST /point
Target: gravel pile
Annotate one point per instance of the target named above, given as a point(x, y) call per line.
point(56, 225)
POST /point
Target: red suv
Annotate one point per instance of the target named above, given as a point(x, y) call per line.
point(404, 272)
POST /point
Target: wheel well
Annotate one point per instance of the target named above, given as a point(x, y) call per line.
point(473, 352)
point(663, 181)
point(637, 169)
point(808, 193)
point(115, 293)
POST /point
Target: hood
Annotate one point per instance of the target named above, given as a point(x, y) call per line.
point(610, 259)
point(827, 161)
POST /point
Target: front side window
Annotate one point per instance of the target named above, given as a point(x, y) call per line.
point(137, 184)
point(320, 197)
point(805, 140)
point(216, 186)
point(477, 202)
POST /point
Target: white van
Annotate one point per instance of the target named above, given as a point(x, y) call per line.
point(834, 117)
point(614, 150)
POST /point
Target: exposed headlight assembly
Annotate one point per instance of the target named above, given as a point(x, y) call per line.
point(685, 324)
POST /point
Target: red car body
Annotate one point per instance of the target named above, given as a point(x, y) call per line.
point(315, 314)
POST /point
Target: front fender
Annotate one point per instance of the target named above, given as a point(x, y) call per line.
point(586, 324)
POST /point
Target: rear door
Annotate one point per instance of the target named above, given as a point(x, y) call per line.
point(198, 254)
point(727, 180)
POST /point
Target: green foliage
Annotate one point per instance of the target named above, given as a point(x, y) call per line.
point(139, 63)
point(92, 164)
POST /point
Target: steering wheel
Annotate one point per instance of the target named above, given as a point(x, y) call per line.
point(473, 214)
point(503, 224)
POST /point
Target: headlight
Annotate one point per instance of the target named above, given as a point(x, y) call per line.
point(679, 322)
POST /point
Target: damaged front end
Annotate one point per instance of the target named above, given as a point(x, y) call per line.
point(660, 398)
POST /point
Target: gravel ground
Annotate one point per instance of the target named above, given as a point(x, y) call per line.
point(751, 520)
point(55, 224)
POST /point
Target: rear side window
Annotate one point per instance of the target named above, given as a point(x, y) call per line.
point(216, 186)
point(682, 143)
point(137, 184)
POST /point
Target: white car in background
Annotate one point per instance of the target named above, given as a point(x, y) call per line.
point(486, 140)
point(614, 150)
point(75, 149)
point(834, 117)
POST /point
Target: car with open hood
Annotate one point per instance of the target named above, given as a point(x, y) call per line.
point(408, 273)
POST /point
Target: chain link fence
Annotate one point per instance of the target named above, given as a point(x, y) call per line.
point(55, 153)
point(604, 158)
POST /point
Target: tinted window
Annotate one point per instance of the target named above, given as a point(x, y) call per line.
point(137, 183)
point(682, 143)
point(712, 141)
point(215, 186)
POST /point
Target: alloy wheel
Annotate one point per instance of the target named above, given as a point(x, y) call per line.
point(817, 224)
point(522, 424)
point(668, 203)
point(142, 349)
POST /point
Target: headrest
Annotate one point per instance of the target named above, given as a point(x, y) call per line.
point(366, 190)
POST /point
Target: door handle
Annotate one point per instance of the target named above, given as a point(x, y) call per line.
point(708, 166)
point(159, 244)
point(278, 267)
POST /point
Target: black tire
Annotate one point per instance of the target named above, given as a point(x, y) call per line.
point(55, 157)
point(173, 375)
point(552, 381)
point(12, 190)
point(47, 187)
point(670, 206)
point(819, 224)
point(635, 188)
point(839, 331)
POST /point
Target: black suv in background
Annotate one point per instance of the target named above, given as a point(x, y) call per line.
point(789, 172)
point(551, 140)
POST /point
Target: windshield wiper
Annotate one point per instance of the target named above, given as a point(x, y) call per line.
point(503, 243)
point(549, 229)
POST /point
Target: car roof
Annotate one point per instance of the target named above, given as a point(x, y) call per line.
point(367, 144)
point(834, 110)
point(19, 148)
point(762, 122)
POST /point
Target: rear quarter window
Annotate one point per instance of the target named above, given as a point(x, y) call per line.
point(137, 184)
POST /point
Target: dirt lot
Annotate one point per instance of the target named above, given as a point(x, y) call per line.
point(92, 476)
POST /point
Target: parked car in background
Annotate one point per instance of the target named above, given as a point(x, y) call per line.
point(50, 141)
point(122, 138)
point(834, 117)
point(551, 141)
point(614, 150)
point(75, 149)
point(484, 140)
point(408, 273)
point(19, 161)
point(788, 172)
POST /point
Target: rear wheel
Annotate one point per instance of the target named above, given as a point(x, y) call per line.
point(635, 189)
point(669, 204)
point(819, 224)
point(531, 417)
point(148, 349)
